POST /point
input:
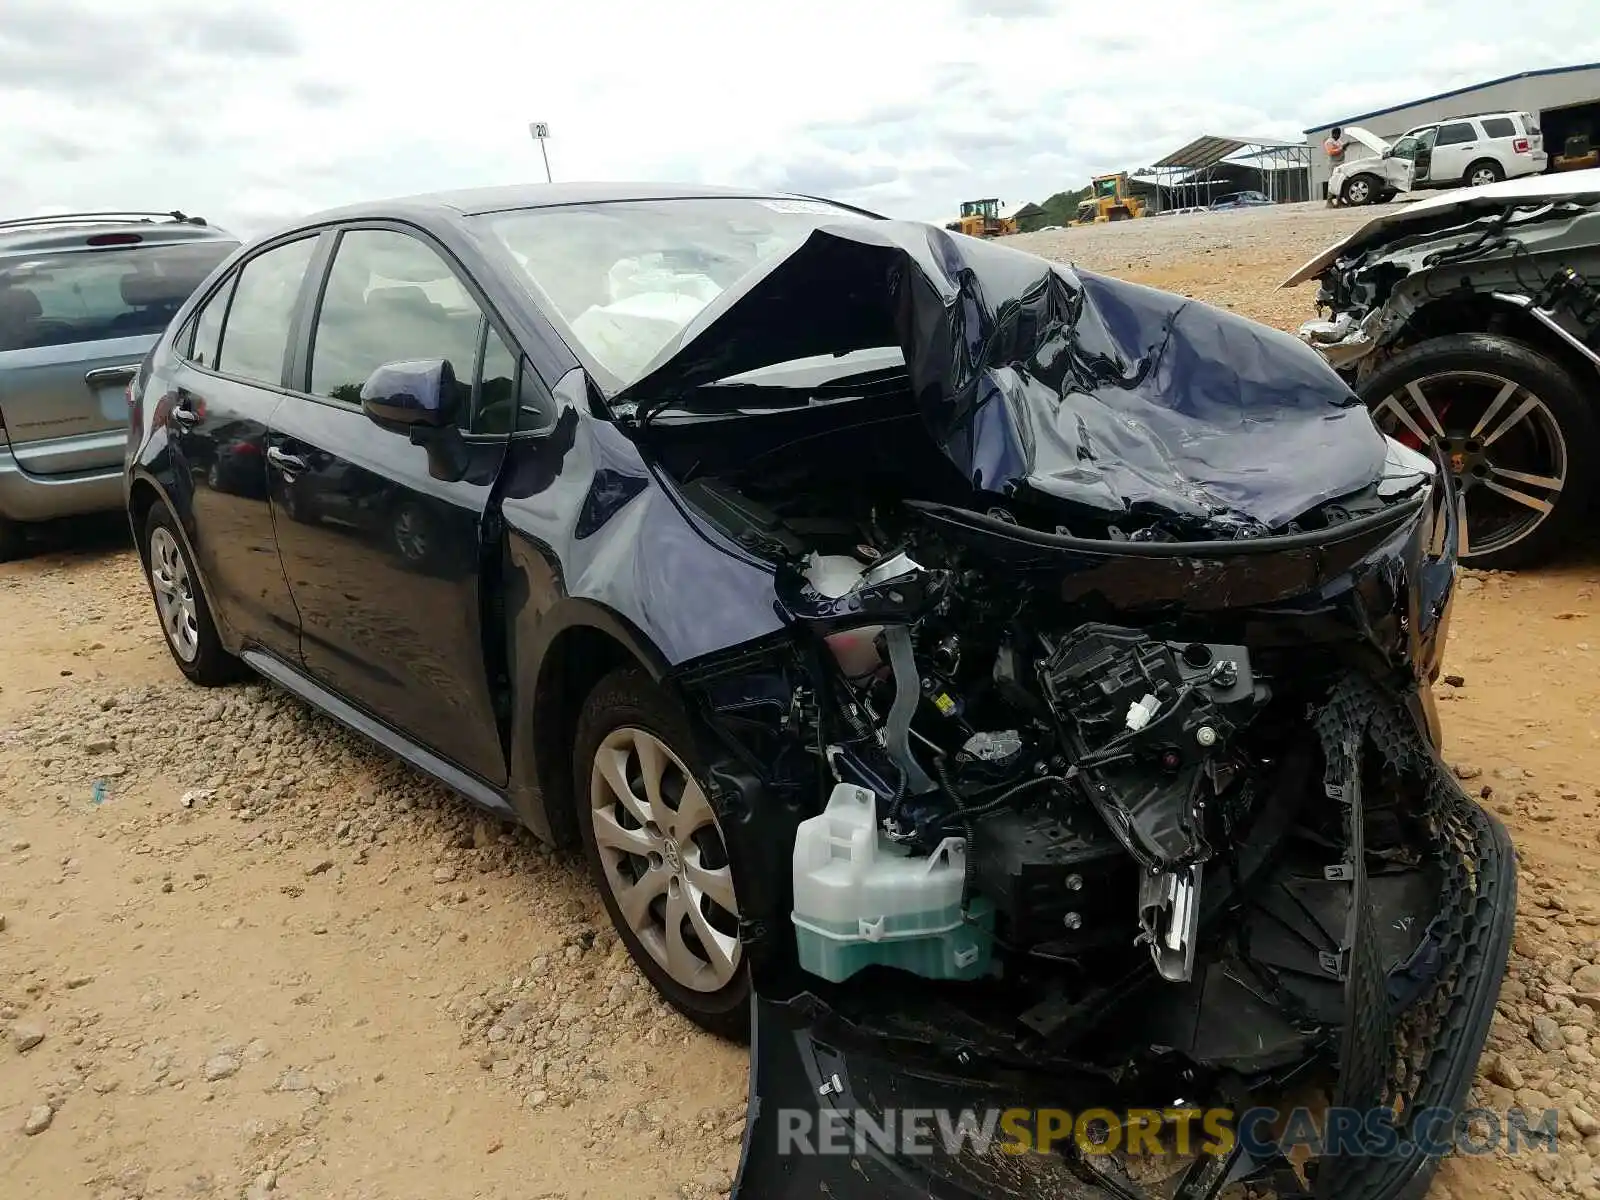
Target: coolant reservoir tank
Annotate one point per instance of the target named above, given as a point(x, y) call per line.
point(860, 900)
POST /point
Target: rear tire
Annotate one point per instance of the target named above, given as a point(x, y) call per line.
point(180, 601)
point(13, 541)
point(1483, 172)
point(630, 717)
point(1555, 438)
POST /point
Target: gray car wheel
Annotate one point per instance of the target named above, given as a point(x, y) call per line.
point(657, 849)
point(13, 542)
point(1360, 189)
point(180, 602)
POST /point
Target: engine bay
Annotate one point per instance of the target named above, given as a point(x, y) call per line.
point(1070, 780)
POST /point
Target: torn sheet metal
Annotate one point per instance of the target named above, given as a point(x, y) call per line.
point(1099, 399)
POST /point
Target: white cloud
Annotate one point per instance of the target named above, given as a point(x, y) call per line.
point(250, 113)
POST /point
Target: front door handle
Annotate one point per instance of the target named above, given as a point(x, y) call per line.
point(289, 464)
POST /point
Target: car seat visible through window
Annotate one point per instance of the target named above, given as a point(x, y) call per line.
point(20, 311)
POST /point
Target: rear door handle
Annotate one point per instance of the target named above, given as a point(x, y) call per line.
point(289, 464)
point(105, 377)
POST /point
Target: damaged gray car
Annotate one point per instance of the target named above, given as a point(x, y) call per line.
point(1001, 690)
point(1471, 323)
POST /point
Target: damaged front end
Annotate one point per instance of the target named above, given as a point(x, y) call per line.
point(1512, 257)
point(1093, 769)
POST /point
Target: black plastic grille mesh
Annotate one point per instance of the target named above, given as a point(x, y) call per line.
point(1426, 1059)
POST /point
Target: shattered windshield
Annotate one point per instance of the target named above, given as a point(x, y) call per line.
point(627, 276)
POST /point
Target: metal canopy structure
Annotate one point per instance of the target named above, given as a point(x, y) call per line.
point(1202, 152)
point(1192, 176)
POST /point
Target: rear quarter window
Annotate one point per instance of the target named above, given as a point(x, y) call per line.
point(1499, 127)
point(68, 297)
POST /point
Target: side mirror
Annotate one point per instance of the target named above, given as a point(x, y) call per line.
point(421, 392)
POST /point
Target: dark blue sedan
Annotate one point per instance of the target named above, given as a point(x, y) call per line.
point(1008, 674)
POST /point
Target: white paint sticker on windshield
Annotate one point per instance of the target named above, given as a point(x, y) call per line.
point(801, 206)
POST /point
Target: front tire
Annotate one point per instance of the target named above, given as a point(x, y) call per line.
point(1516, 429)
point(1361, 189)
point(656, 849)
point(186, 623)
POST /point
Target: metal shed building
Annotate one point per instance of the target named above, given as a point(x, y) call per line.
point(1211, 166)
point(1567, 100)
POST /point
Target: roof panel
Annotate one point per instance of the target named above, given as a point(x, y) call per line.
point(1202, 152)
point(1212, 148)
point(1460, 91)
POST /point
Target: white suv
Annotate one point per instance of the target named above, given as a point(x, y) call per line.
point(1471, 151)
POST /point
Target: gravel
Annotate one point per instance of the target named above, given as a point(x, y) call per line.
point(1218, 257)
point(38, 1119)
point(221, 1066)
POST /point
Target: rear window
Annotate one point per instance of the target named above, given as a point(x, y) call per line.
point(76, 296)
point(1499, 127)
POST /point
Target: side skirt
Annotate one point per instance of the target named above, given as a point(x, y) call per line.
point(392, 740)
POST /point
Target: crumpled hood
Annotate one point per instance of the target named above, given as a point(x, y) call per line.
point(1396, 220)
point(1041, 381)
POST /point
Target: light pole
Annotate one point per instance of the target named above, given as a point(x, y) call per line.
point(541, 131)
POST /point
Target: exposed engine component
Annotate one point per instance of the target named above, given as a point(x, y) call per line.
point(987, 759)
point(1150, 727)
point(1059, 884)
point(1082, 789)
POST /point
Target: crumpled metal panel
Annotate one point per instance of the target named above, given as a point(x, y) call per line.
point(1043, 382)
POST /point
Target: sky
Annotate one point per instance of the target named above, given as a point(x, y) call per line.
point(253, 114)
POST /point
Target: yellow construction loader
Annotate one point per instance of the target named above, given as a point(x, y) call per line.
point(1110, 199)
point(981, 218)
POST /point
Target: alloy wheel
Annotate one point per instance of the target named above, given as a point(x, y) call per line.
point(664, 859)
point(1503, 445)
point(1358, 191)
point(175, 602)
point(1482, 176)
point(410, 535)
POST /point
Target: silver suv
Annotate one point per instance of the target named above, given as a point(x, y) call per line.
point(83, 298)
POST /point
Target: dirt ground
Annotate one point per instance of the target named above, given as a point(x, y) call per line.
point(244, 955)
